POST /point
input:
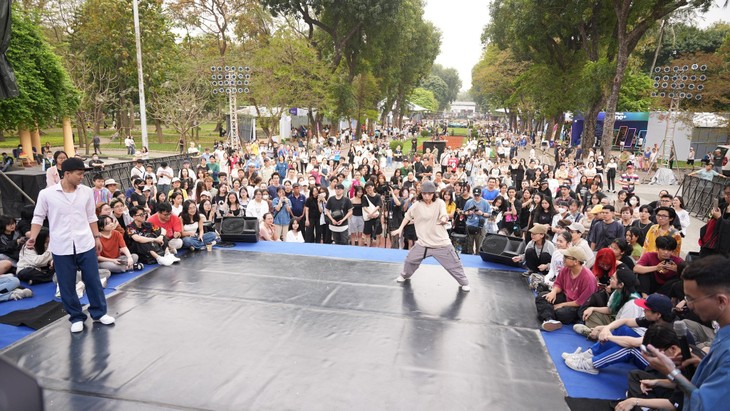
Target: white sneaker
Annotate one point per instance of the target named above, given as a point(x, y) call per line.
point(80, 289)
point(164, 261)
point(401, 279)
point(104, 281)
point(172, 258)
point(465, 288)
point(582, 364)
point(582, 329)
point(105, 319)
point(552, 325)
point(77, 327)
point(577, 351)
point(20, 293)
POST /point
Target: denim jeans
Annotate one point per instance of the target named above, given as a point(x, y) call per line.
point(8, 283)
point(195, 242)
point(66, 275)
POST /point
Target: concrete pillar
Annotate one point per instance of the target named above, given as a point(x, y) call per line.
point(26, 142)
point(68, 140)
point(35, 139)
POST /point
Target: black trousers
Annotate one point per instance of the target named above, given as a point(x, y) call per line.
point(532, 260)
point(649, 285)
point(546, 310)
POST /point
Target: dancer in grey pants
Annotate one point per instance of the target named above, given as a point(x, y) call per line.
point(429, 217)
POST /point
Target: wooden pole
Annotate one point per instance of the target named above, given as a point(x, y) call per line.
point(68, 141)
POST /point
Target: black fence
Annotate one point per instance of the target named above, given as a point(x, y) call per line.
point(699, 194)
point(120, 172)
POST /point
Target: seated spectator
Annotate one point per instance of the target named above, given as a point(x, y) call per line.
point(176, 201)
point(665, 217)
point(294, 235)
point(619, 341)
point(562, 242)
point(171, 225)
point(267, 231)
point(622, 251)
point(715, 235)
point(651, 389)
point(148, 241)
point(120, 212)
point(193, 232)
point(115, 255)
point(605, 265)
point(10, 286)
point(538, 251)
point(574, 285)
point(632, 237)
point(609, 304)
point(10, 240)
point(658, 269)
point(576, 232)
point(35, 265)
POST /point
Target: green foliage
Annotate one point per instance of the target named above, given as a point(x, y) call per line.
point(494, 78)
point(424, 98)
point(439, 88)
point(451, 77)
point(46, 93)
point(635, 93)
point(680, 40)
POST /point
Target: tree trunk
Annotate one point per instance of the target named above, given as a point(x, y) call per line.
point(158, 132)
point(588, 139)
point(2, 135)
point(622, 60)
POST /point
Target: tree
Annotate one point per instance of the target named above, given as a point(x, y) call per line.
point(425, 99)
point(451, 77)
point(633, 19)
point(494, 79)
point(635, 93)
point(45, 90)
point(439, 88)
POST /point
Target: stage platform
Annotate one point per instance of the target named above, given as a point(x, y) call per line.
point(249, 330)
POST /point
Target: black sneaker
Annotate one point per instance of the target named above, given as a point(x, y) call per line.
point(138, 266)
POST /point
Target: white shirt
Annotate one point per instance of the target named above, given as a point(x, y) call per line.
point(164, 175)
point(69, 216)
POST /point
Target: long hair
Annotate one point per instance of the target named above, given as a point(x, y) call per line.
point(629, 280)
point(607, 257)
point(185, 215)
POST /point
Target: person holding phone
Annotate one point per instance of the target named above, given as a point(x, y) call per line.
point(715, 235)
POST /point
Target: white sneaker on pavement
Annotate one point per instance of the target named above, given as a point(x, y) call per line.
point(552, 325)
point(77, 327)
point(401, 279)
point(105, 319)
point(582, 364)
point(465, 288)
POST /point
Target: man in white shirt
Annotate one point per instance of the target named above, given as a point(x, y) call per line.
point(75, 240)
point(164, 177)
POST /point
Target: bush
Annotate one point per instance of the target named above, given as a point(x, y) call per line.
point(425, 133)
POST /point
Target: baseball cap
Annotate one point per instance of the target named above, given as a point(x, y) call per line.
point(205, 193)
point(175, 179)
point(72, 164)
point(107, 182)
point(428, 187)
point(477, 191)
point(577, 253)
point(147, 188)
point(597, 209)
point(295, 185)
point(339, 186)
point(577, 227)
point(658, 303)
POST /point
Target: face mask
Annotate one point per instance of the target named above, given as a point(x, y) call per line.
point(266, 196)
point(561, 210)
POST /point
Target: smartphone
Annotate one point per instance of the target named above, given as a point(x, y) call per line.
point(645, 351)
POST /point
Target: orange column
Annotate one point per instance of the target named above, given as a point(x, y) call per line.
point(68, 139)
point(35, 139)
point(26, 142)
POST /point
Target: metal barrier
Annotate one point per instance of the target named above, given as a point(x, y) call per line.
point(120, 172)
point(698, 194)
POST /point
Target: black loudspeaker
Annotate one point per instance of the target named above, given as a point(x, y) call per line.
point(435, 145)
point(240, 229)
point(498, 248)
point(18, 389)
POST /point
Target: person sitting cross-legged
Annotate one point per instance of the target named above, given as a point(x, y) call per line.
point(574, 285)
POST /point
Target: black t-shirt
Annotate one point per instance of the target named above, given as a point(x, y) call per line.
point(312, 209)
point(140, 199)
point(339, 207)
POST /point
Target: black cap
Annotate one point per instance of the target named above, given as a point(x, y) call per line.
point(340, 186)
point(72, 164)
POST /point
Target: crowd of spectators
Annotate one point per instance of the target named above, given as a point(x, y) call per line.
point(595, 256)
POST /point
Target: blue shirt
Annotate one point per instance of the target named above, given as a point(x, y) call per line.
point(282, 216)
point(706, 175)
point(490, 195)
point(712, 377)
point(474, 220)
point(297, 204)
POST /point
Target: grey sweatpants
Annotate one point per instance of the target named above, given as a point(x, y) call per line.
point(446, 256)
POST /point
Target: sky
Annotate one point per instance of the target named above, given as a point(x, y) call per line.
point(461, 23)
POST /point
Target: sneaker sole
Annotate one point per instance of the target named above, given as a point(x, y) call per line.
point(552, 327)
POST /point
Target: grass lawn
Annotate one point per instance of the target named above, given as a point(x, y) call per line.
point(458, 131)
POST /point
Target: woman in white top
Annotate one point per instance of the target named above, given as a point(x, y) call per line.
point(682, 214)
point(176, 199)
point(257, 207)
point(611, 168)
point(193, 232)
point(294, 235)
point(562, 242)
point(590, 172)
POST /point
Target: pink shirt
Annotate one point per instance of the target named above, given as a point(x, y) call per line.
point(577, 289)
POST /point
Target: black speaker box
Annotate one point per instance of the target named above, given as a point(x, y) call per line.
point(18, 389)
point(240, 229)
point(498, 248)
point(435, 145)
